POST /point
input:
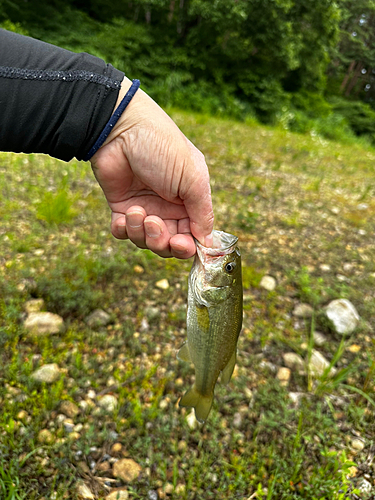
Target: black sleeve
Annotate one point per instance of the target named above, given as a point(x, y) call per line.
point(52, 100)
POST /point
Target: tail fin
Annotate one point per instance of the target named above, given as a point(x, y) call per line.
point(201, 404)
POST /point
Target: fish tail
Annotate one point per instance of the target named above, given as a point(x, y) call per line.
point(201, 404)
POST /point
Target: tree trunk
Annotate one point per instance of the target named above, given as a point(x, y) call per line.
point(347, 76)
point(354, 80)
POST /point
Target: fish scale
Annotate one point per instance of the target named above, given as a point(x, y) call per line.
point(214, 319)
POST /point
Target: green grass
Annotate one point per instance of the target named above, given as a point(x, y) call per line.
point(295, 203)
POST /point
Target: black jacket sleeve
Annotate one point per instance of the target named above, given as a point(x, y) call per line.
point(52, 100)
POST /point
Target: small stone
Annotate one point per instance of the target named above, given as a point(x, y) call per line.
point(69, 408)
point(294, 361)
point(34, 305)
point(68, 425)
point(354, 348)
point(237, 420)
point(191, 420)
point(319, 339)
point(152, 495)
point(343, 316)
point(335, 210)
point(162, 284)
point(138, 269)
point(364, 486)
point(22, 415)
point(164, 403)
point(118, 494)
point(168, 488)
point(84, 492)
point(318, 363)
point(44, 323)
point(303, 311)
point(98, 318)
point(74, 436)
point(180, 489)
point(152, 313)
point(83, 467)
point(108, 403)
point(126, 469)
point(357, 444)
point(268, 283)
point(283, 374)
point(47, 373)
point(352, 471)
point(45, 437)
point(103, 467)
point(116, 448)
point(325, 267)
point(295, 397)
point(182, 445)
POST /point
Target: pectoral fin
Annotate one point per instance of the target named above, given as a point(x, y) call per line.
point(201, 404)
point(228, 370)
point(184, 354)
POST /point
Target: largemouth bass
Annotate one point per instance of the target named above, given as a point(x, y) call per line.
point(214, 319)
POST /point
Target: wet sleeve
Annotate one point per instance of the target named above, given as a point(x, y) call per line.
point(52, 100)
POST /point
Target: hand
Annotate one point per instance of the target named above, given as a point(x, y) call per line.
point(155, 180)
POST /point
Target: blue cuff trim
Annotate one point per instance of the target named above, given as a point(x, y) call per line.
point(113, 120)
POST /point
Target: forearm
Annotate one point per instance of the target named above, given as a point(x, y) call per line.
point(52, 100)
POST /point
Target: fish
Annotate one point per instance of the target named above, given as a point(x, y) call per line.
point(214, 319)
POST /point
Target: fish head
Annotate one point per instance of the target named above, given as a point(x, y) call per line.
point(220, 265)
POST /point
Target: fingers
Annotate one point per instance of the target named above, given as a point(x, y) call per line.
point(197, 199)
point(168, 238)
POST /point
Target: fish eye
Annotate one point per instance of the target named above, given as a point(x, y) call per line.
point(230, 267)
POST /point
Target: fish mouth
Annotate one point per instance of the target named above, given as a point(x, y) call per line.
point(223, 244)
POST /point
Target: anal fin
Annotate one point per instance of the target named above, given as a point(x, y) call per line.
point(184, 353)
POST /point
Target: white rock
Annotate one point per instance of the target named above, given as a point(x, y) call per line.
point(84, 492)
point(318, 363)
point(319, 338)
point(343, 315)
point(108, 402)
point(98, 318)
point(34, 305)
point(118, 494)
point(364, 486)
point(294, 361)
point(268, 283)
point(303, 311)
point(283, 374)
point(44, 323)
point(325, 267)
point(47, 373)
point(357, 444)
point(162, 284)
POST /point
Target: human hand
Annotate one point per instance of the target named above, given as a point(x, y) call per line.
point(155, 180)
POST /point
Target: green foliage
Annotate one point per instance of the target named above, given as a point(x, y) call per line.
point(56, 208)
point(359, 115)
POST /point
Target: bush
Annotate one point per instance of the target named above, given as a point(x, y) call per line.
point(359, 115)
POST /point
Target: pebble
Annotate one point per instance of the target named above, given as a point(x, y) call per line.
point(68, 425)
point(364, 486)
point(182, 445)
point(152, 495)
point(180, 489)
point(126, 469)
point(283, 374)
point(69, 408)
point(268, 283)
point(168, 488)
point(34, 305)
point(318, 363)
point(108, 402)
point(22, 415)
point(325, 267)
point(303, 311)
point(294, 361)
point(162, 284)
point(118, 494)
point(47, 373)
point(74, 436)
point(295, 397)
point(98, 318)
point(354, 348)
point(343, 316)
point(319, 338)
point(44, 323)
point(116, 448)
point(84, 492)
point(138, 269)
point(45, 436)
point(357, 444)
point(237, 420)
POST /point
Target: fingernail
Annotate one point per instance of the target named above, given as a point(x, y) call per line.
point(179, 250)
point(121, 230)
point(153, 230)
point(208, 241)
point(134, 219)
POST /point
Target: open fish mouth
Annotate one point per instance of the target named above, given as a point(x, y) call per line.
point(223, 244)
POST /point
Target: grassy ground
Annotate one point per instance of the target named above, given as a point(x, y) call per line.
point(303, 209)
